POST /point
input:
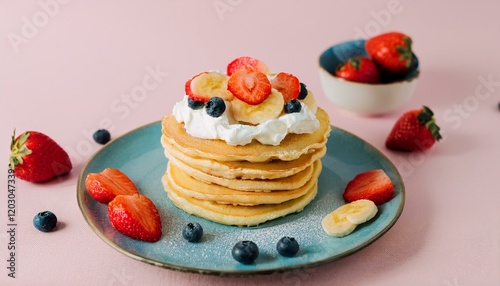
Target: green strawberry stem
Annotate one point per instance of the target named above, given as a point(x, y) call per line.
point(405, 51)
point(355, 63)
point(426, 117)
point(18, 149)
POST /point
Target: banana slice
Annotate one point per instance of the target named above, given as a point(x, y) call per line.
point(344, 219)
point(336, 224)
point(211, 84)
point(310, 102)
point(255, 114)
point(361, 211)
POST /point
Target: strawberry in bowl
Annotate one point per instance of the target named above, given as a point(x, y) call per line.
point(359, 69)
point(391, 51)
point(357, 90)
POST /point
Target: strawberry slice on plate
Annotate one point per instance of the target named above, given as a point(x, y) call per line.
point(135, 216)
point(373, 185)
point(109, 183)
point(249, 86)
point(287, 84)
point(246, 63)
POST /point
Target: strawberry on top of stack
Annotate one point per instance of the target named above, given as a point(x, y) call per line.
point(256, 94)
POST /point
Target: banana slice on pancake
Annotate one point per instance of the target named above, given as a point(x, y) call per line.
point(270, 108)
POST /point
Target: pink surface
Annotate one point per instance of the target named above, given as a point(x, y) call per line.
point(68, 68)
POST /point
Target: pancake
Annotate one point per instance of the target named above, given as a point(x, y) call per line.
point(292, 182)
point(239, 215)
point(243, 169)
point(291, 148)
point(187, 186)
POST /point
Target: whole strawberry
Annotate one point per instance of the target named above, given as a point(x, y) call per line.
point(359, 69)
point(415, 130)
point(391, 51)
point(35, 157)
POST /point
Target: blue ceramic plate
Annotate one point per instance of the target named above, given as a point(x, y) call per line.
point(139, 154)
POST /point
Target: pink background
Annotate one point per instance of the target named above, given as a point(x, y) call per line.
point(66, 69)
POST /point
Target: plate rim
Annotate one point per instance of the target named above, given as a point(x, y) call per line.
point(235, 273)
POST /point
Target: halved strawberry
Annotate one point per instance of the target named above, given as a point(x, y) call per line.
point(109, 183)
point(135, 216)
point(373, 185)
point(246, 63)
point(287, 84)
point(249, 86)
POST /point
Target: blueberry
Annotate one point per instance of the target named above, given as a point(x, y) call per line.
point(287, 246)
point(215, 106)
point(245, 251)
point(195, 104)
point(303, 91)
point(102, 136)
point(192, 232)
point(45, 221)
point(293, 106)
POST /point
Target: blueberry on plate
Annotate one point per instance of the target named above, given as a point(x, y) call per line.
point(192, 232)
point(102, 136)
point(287, 246)
point(195, 104)
point(245, 251)
point(45, 221)
point(303, 91)
point(215, 106)
point(293, 106)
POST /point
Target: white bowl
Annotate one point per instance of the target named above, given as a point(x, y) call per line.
point(363, 98)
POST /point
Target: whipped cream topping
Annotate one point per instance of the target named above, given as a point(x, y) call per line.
point(271, 132)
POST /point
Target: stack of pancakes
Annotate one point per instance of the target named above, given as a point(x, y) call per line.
point(242, 185)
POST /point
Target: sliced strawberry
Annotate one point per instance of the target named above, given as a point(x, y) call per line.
point(251, 87)
point(135, 216)
point(109, 183)
point(246, 63)
point(373, 185)
point(191, 94)
point(287, 84)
